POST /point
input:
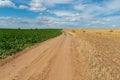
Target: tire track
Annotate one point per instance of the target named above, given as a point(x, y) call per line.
point(14, 67)
point(39, 69)
point(61, 69)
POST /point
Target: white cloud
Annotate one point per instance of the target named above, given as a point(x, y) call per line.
point(7, 3)
point(34, 5)
point(54, 2)
point(110, 22)
point(113, 4)
point(40, 5)
point(68, 15)
point(23, 7)
point(97, 22)
point(40, 22)
point(63, 13)
point(79, 7)
point(90, 10)
point(37, 6)
point(84, 14)
point(95, 9)
point(55, 22)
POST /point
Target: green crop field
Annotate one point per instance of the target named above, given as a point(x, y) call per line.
point(14, 40)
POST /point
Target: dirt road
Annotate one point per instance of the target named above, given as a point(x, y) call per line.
point(71, 56)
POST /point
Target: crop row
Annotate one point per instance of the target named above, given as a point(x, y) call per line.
point(13, 40)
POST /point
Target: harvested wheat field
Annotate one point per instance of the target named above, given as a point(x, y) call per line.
point(85, 54)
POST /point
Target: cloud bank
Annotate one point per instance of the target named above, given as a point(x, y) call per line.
point(64, 13)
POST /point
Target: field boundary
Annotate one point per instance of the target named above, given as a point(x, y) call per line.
point(17, 54)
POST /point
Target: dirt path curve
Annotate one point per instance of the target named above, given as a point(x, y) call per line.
point(51, 60)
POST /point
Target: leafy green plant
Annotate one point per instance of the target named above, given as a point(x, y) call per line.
point(14, 40)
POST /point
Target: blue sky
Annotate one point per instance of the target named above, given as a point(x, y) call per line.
point(59, 13)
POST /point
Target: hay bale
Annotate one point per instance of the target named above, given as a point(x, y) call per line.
point(111, 30)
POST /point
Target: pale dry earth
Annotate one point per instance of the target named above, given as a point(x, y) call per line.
point(74, 55)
